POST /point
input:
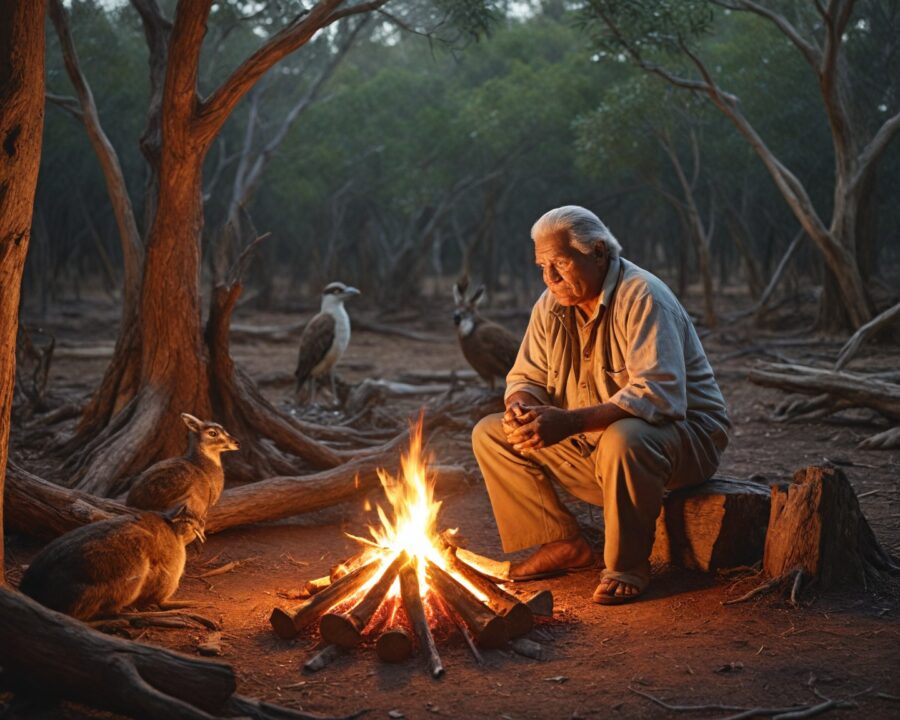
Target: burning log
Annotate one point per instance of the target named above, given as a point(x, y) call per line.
point(488, 628)
point(345, 629)
point(316, 584)
point(461, 626)
point(394, 645)
point(348, 565)
point(518, 616)
point(288, 624)
point(415, 611)
point(541, 603)
point(492, 569)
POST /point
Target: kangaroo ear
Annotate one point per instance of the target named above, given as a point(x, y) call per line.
point(478, 296)
point(458, 293)
point(192, 422)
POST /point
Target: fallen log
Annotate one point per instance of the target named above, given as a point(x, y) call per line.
point(287, 623)
point(34, 506)
point(488, 628)
point(37, 507)
point(870, 329)
point(53, 656)
point(817, 527)
point(852, 388)
point(346, 628)
point(282, 497)
point(415, 611)
point(396, 330)
point(719, 524)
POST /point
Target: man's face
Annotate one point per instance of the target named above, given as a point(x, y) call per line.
point(573, 277)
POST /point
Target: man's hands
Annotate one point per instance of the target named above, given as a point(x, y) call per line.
point(532, 427)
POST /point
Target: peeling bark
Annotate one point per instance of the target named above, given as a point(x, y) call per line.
point(21, 127)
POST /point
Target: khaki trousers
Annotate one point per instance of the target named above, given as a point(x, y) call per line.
point(626, 474)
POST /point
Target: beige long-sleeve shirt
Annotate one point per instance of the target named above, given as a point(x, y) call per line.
point(639, 351)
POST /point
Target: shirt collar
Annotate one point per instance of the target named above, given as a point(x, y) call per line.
point(610, 282)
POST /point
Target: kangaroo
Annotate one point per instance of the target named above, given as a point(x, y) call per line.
point(489, 348)
point(99, 569)
point(195, 479)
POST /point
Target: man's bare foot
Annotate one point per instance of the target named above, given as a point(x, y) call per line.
point(554, 558)
point(615, 592)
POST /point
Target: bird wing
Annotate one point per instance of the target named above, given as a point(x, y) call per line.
point(497, 349)
point(315, 342)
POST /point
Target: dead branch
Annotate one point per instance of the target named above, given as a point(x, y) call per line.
point(395, 330)
point(870, 329)
point(860, 390)
point(795, 712)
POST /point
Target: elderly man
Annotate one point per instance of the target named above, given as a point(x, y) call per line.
point(611, 396)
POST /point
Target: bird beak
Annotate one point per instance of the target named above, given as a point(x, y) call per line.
point(351, 291)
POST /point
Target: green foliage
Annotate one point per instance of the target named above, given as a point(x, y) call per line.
point(646, 25)
point(536, 114)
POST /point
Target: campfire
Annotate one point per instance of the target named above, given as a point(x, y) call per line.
point(408, 566)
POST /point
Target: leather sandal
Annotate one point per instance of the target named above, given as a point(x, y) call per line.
point(609, 596)
point(552, 560)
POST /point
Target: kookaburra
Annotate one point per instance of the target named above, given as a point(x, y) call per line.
point(324, 339)
point(490, 349)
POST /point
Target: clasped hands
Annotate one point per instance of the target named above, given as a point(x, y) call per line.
point(532, 427)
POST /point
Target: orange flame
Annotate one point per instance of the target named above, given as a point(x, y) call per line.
point(412, 528)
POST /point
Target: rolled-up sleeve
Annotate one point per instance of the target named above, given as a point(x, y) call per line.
point(529, 373)
point(656, 389)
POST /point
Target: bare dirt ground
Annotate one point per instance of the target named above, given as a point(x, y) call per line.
point(679, 643)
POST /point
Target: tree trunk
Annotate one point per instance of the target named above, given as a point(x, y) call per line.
point(817, 527)
point(161, 364)
point(719, 524)
point(21, 128)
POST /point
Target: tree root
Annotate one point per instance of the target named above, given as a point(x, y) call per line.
point(770, 585)
point(154, 618)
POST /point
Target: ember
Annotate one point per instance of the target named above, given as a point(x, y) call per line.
point(407, 563)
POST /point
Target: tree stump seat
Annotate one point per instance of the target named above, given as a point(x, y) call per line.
point(719, 524)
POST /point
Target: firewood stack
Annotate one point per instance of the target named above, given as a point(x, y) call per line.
point(357, 596)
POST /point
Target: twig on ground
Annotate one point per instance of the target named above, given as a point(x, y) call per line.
point(796, 712)
point(795, 589)
point(227, 567)
point(765, 587)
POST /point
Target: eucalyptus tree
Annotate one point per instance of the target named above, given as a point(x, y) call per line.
point(164, 363)
point(662, 38)
point(21, 126)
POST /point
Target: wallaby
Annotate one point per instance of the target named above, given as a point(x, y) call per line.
point(488, 347)
point(195, 479)
point(99, 569)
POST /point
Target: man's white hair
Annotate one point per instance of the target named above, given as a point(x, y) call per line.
point(583, 228)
